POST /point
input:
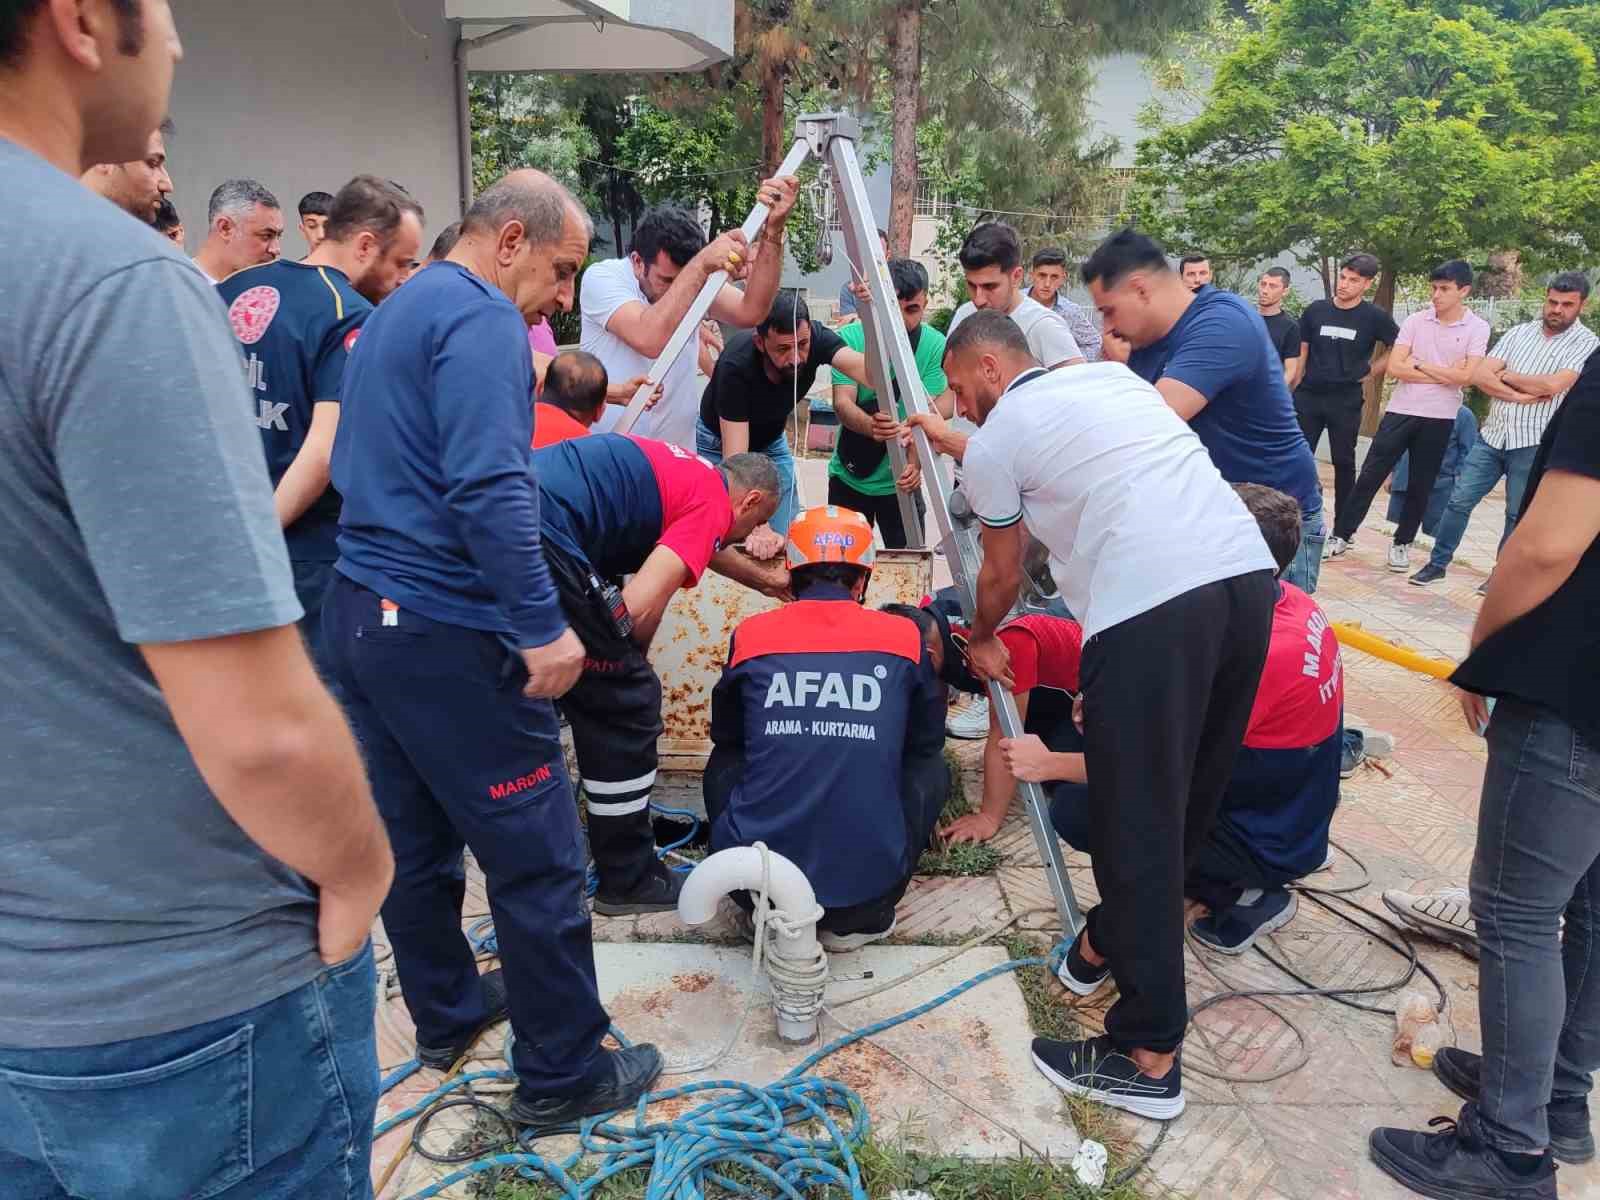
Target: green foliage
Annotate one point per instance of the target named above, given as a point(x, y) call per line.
point(960, 859)
point(520, 121)
point(1417, 129)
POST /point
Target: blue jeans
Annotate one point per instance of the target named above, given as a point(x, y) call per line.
point(1537, 861)
point(275, 1102)
point(1482, 469)
point(1306, 568)
point(708, 446)
point(311, 580)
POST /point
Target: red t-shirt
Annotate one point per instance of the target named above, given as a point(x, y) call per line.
point(1301, 696)
point(1045, 651)
point(696, 513)
point(552, 424)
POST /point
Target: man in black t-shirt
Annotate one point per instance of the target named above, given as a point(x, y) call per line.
point(1337, 339)
point(1536, 650)
point(759, 379)
point(1283, 329)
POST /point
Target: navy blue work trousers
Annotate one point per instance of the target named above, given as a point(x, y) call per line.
point(459, 757)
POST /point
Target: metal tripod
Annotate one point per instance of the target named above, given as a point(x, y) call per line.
point(831, 137)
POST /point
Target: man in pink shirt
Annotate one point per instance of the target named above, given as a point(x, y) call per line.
point(1434, 358)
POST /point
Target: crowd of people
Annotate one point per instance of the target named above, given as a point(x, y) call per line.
point(253, 709)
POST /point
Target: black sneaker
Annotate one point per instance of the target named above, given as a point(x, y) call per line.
point(442, 1058)
point(1571, 1137)
point(1234, 930)
point(656, 892)
point(1099, 1071)
point(623, 1077)
point(1456, 1164)
point(1428, 574)
point(1078, 975)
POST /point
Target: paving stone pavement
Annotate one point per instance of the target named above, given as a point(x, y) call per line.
point(1407, 822)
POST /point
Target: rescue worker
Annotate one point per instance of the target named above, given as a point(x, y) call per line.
point(571, 398)
point(449, 641)
point(296, 323)
point(1272, 825)
point(615, 506)
point(828, 735)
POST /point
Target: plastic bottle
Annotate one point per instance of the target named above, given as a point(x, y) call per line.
point(1418, 1034)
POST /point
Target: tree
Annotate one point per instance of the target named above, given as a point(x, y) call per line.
point(907, 75)
point(1420, 130)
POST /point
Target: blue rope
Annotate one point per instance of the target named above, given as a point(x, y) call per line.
point(745, 1126)
point(399, 1075)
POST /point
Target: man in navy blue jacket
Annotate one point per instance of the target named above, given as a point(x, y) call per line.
point(449, 639)
point(828, 735)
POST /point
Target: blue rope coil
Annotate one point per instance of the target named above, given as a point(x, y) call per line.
point(744, 1125)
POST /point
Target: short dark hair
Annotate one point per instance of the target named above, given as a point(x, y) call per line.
point(1365, 265)
point(575, 382)
point(923, 619)
point(1051, 256)
point(1457, 271)
point(1278, 515)
point(1570, 281)
point(15, 15)
point(368, 204)
point(1278, 273)
point(788, 310)
point(986, 327)
point(446, 241)
point(751, 472)
point(668, 227)
point(1191, 258)
point(803, 579)
point(1122, 253)
point(992, 244)
point(167, 218)
point(908, 276)
point(239, 196)
point(319, 203)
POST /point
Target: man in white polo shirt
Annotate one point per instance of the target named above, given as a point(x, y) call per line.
point(632, 305)
point(1526, 377)
point(1173, 583)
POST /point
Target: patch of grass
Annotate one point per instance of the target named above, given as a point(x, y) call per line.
point(962, 858)
point(1048, 1012)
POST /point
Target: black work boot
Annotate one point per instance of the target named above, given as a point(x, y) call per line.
point(442, 1058)
point(623, 1076)
point(657, 891)
point(1571, 1138)
point(1455, 1163)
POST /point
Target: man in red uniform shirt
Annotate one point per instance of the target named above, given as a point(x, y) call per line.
point(571, 397)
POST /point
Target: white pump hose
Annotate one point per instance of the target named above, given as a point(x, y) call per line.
point(797, 966)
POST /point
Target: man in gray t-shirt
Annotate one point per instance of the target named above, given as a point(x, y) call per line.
point(186, 833)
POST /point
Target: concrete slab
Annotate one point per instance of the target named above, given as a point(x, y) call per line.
point(959, 1078)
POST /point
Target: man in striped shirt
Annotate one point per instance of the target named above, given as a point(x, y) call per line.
point(1527, 376)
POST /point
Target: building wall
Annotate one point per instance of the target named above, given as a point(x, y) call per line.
point(303, 94)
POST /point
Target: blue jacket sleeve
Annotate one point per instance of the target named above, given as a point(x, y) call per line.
point(929, 705)
point(727, 712)
point(483, 378)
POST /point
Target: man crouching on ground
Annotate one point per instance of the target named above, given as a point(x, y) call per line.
point(828, 735)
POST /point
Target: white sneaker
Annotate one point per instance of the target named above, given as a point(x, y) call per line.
point(1445, 915)
point(844, 943)
point(1334, 547)
point(970, 723)
point(1400, 557)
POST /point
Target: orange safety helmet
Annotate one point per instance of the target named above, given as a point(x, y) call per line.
point(830, 534)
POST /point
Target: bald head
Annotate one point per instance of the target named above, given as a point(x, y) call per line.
point(986, 352)
point(527, 235)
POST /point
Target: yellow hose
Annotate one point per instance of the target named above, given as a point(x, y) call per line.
point(1370, 643)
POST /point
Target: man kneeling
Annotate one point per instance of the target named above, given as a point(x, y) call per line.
point(828, 735)
point(1272, 826)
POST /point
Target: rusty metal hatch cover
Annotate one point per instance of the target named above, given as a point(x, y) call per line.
point(691, 646)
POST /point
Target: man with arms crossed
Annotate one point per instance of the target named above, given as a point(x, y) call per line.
point(991, 257)
point(632, 305)
point(1526, 377)
point(1173, 583)
point(449, 643)
point(191, 856)
point(1337, 338)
